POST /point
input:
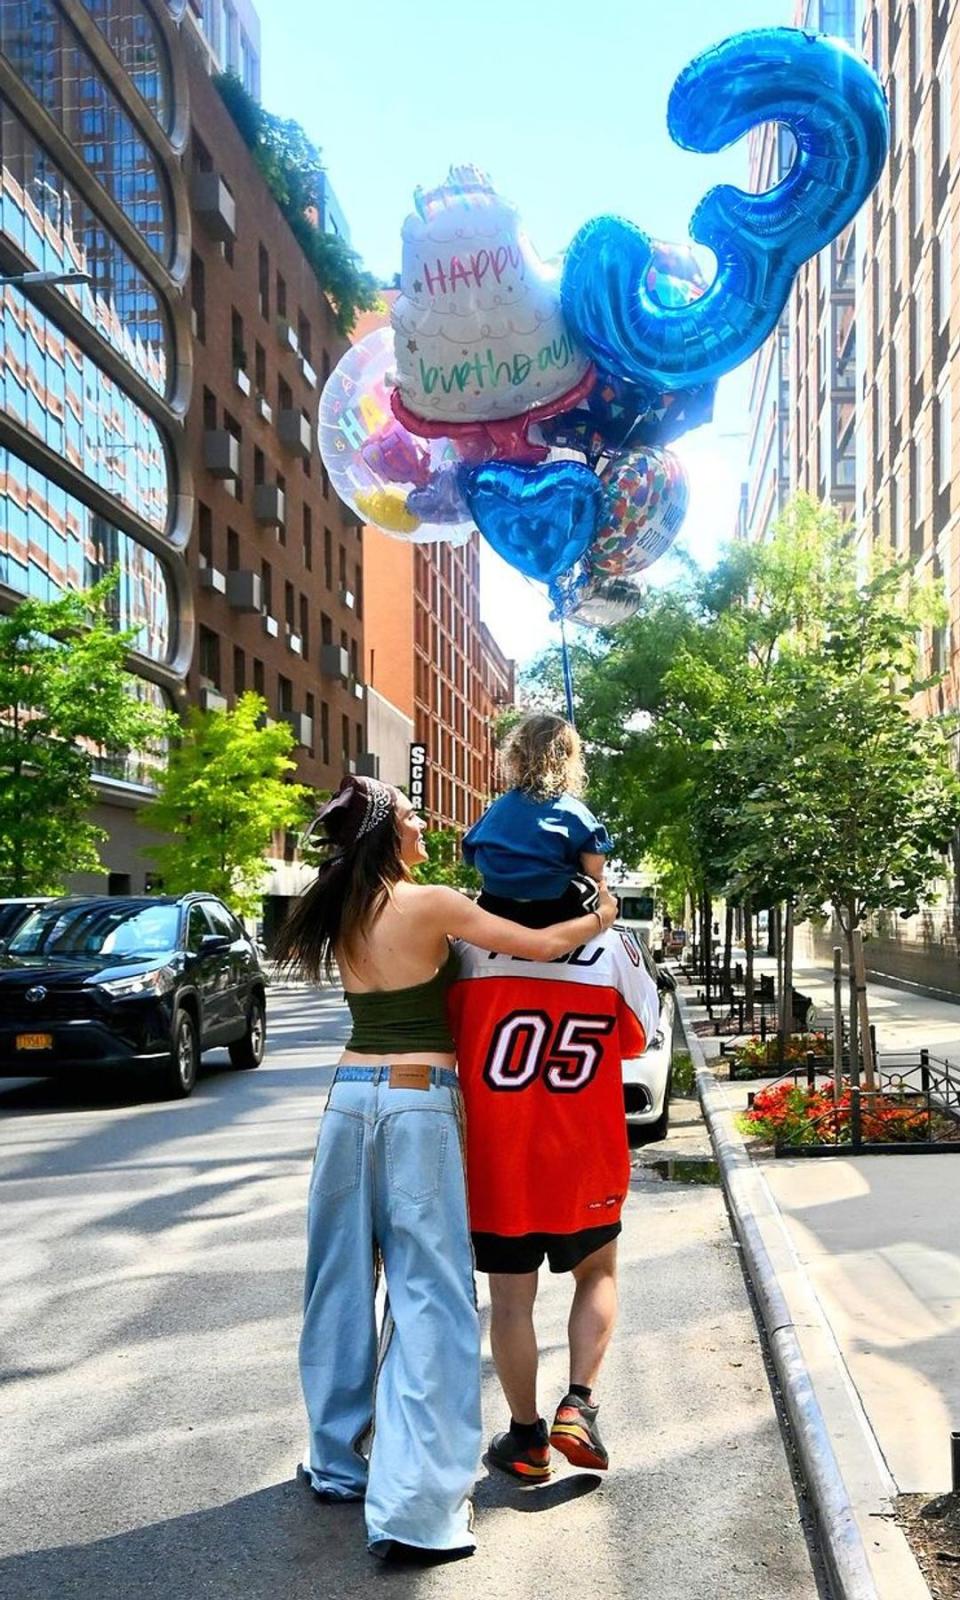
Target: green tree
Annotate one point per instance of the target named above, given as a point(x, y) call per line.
point(753, 729)
point(66, 698)
point(225, 792)
point(446, 863)
point(292, 166)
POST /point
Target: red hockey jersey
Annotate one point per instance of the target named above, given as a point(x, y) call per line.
point(539, 1050)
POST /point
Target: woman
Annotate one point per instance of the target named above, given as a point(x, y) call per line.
point(388, 1178)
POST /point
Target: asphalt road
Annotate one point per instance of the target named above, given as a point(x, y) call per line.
point(150, 1418)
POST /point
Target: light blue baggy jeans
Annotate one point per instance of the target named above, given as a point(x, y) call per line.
point(389, 1177)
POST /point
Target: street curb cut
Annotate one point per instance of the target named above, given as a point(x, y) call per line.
point(840, 1536)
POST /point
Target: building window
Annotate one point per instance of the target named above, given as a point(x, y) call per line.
point(916, 188)
point(944, 438)
point(942, 91)
point(204, 535)
point(209, 409)
point(238, 351)
point(260, 370)
point(324, 733)
point(304, 336)
point(311, 707)
point(234, 486)
point(358, 589)
point(282, 530)
point(198, 298)
point(284, 695)
point(326, 629)
point(284, 395)
point(239, 671)
point(233, 550)
point(259, 466)
point(918, 331)
point(281, 296)
point(305, 626)
point(259, 678)
point(289, 607)
point(327, 558)
point(896, 264)
point(208, 656)
point(942, 270)
point(266, 588)
point(896, 382)
point(263, 281)
point(307, 539)
point(345, 743)
point(919, 480)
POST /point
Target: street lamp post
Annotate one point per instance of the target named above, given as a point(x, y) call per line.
point(34, 280)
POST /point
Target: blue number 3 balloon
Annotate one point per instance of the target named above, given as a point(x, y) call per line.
point(835, 108)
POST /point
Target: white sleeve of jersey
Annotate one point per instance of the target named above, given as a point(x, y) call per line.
point(633, 980)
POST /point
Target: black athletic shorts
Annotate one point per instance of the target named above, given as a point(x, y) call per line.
point(524, 1252)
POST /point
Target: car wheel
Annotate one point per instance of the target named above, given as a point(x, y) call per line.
point(180, 1074)
point(660, 1128)
point(248, 1052)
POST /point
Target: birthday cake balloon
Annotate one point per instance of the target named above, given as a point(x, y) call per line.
point(478, 329)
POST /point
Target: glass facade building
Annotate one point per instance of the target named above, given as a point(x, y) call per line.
point(95, 376)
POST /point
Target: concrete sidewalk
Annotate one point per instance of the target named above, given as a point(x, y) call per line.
point(879, 1239)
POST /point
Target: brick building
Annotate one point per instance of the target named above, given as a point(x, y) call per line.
point(275, 558)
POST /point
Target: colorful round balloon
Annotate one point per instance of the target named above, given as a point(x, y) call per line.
point(403, 485)
point(645, 502)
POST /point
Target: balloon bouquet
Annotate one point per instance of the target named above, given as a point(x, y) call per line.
point(538, 404)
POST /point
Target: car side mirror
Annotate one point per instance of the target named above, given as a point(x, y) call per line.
point(214, 944)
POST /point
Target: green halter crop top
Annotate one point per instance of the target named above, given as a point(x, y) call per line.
point(398, 1021)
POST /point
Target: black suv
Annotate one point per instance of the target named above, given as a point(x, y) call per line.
point(122, 981)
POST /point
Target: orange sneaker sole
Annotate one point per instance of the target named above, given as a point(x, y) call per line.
point(573, 1443)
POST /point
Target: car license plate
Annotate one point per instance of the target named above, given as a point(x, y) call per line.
point(34, 1041)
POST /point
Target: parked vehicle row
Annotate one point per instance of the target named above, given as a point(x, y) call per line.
point(97, 981)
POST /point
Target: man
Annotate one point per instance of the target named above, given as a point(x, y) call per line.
point(540, 1048)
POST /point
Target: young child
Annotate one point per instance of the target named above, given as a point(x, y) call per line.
point(538, 844)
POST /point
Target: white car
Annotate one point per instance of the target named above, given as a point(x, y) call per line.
point(647, 1079)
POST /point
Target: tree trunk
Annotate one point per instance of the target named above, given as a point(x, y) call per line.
point(748, 947)
point(772, 931)
point(707, 942)
point(786, 989)
point(866, 1038)
point(778, 944)
point(727, 946)
point(848, 932)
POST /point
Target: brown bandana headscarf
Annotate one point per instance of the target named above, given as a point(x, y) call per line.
point(359, 806)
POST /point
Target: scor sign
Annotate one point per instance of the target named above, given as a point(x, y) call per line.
point(418, 776)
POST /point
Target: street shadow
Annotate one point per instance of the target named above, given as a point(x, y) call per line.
point(280, 1540)
point(498, 1490)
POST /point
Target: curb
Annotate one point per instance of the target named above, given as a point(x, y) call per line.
point(793, 1319)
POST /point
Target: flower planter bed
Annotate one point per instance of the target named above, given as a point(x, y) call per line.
point(799, 1120)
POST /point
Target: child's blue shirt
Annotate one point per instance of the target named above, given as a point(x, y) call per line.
point(528, 849)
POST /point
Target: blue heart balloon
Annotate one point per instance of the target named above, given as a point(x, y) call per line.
point(539, 519)
point(834, 105)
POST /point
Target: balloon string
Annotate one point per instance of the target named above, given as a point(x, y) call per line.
point(567, 674)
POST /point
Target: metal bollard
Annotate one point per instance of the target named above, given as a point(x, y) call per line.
point(811, 1070)
point(751, 1096)
point(925, 1078)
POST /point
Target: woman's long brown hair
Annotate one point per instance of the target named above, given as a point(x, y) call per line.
point(350, 891)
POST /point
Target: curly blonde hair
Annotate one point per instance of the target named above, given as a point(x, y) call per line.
point(543, 756)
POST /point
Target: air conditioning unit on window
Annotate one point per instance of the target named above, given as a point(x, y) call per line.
point(214, 206)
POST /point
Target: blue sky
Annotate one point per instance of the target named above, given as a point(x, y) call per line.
point(564, 105)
